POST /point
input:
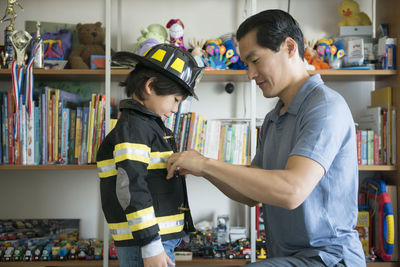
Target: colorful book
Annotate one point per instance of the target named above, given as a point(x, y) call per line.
point(65, 113)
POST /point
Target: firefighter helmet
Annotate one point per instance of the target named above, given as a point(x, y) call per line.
point(170, 60)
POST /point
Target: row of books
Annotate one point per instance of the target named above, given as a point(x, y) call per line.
point(368, 147)
point(380, 120)
point(60, 130)
point(222, 140)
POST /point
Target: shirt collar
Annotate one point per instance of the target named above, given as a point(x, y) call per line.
point(298, 99)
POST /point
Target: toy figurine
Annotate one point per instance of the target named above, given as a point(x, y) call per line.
point(176, 27)
point(349, 11)
point(197, 51)
point(10, 11)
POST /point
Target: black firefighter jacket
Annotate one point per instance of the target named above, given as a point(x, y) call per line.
point(137, 200)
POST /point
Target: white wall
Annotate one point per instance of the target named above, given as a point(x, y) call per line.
point(74, 194)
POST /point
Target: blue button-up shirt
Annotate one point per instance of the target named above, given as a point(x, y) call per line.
point(318, 125)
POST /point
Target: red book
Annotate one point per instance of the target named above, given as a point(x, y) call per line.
point(358, 135)
point(376, 149)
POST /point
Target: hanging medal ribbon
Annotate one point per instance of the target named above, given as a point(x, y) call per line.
point(29, 79)
point(17, 78)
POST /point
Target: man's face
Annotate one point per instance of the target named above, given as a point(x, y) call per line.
point(266, 67)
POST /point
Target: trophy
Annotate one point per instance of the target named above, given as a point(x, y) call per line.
point(9, 50)
point(20, 40)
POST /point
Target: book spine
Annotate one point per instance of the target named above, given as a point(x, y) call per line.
point(364, 156)
point(85, 122)
point(30, 140)
point(376, 149)
point(10, 128)
point(358, 135)
point(370, 148)
point(37, 136)
point(5, 129)
point(75, 127)
point(64, 135)
point(71, 136)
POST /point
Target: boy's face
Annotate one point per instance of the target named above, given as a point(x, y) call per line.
point(266, 67)
point(163, 105)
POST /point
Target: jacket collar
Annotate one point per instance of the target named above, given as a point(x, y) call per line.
point(134, 105)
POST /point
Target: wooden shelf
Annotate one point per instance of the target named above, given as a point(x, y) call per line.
point(93, 167)
point(383, 264)
point(194, 262)
point(377, 167)
point(48, 167)
point(209, 75)
point(59, 263)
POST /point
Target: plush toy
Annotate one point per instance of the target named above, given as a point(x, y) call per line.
point(349, 11)
point(152, 35)
point(197, 51)
point(176, 27)
point(91, 38)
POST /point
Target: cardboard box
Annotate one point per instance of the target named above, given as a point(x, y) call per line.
point(363, 229)
point(355, 30)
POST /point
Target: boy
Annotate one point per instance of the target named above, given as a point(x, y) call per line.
point(147, 214)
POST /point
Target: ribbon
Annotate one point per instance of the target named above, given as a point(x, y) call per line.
point(29, 78)
point(17, 73)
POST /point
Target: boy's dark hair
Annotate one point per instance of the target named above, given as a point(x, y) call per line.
point(273, 27)
point(162, 85)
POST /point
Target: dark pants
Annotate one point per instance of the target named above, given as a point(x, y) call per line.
point(292, 262)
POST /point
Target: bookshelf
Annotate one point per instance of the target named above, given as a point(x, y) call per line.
point(386, 11)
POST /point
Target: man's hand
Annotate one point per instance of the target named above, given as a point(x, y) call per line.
point(186, 162)
point(160, 260)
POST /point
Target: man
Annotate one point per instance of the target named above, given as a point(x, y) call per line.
point(305, 171)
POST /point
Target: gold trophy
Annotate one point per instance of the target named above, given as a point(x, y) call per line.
point(8, 47)
point(20, 40)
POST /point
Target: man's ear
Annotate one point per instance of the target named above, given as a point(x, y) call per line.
point(291, 46)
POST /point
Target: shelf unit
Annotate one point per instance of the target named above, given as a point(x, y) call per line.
point(194, 262)
point(385, 12)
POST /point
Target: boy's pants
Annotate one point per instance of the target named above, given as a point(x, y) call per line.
point(132, 256)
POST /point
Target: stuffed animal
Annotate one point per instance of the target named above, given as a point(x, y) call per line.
point(197, 51)
point(349, 11)
point(176, 27)
point(153, 34)
point(91, 38)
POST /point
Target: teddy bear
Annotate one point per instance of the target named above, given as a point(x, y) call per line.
point(91, 38)
point(349, 11)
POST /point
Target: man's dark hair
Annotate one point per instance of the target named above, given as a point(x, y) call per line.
point(273, 27)
point(161, 84)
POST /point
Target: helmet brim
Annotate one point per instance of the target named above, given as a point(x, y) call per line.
point(129, 59)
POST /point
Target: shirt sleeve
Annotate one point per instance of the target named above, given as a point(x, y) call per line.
point(325, 127)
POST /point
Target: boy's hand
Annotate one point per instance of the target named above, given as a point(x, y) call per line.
point(160, 260)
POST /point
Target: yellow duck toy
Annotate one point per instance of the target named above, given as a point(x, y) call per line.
point(349, 10)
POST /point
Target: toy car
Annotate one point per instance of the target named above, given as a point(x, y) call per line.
point(112, 251)
point(8, 254)
point(37, 253)
point(63, 252)
point(73, 252)
point(28, 256)
point(18, 253)
point(46, 252)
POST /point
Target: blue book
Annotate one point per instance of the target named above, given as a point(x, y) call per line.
point(36, 158)
point(364, 147)
point(85, 123)
point(64, 135)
